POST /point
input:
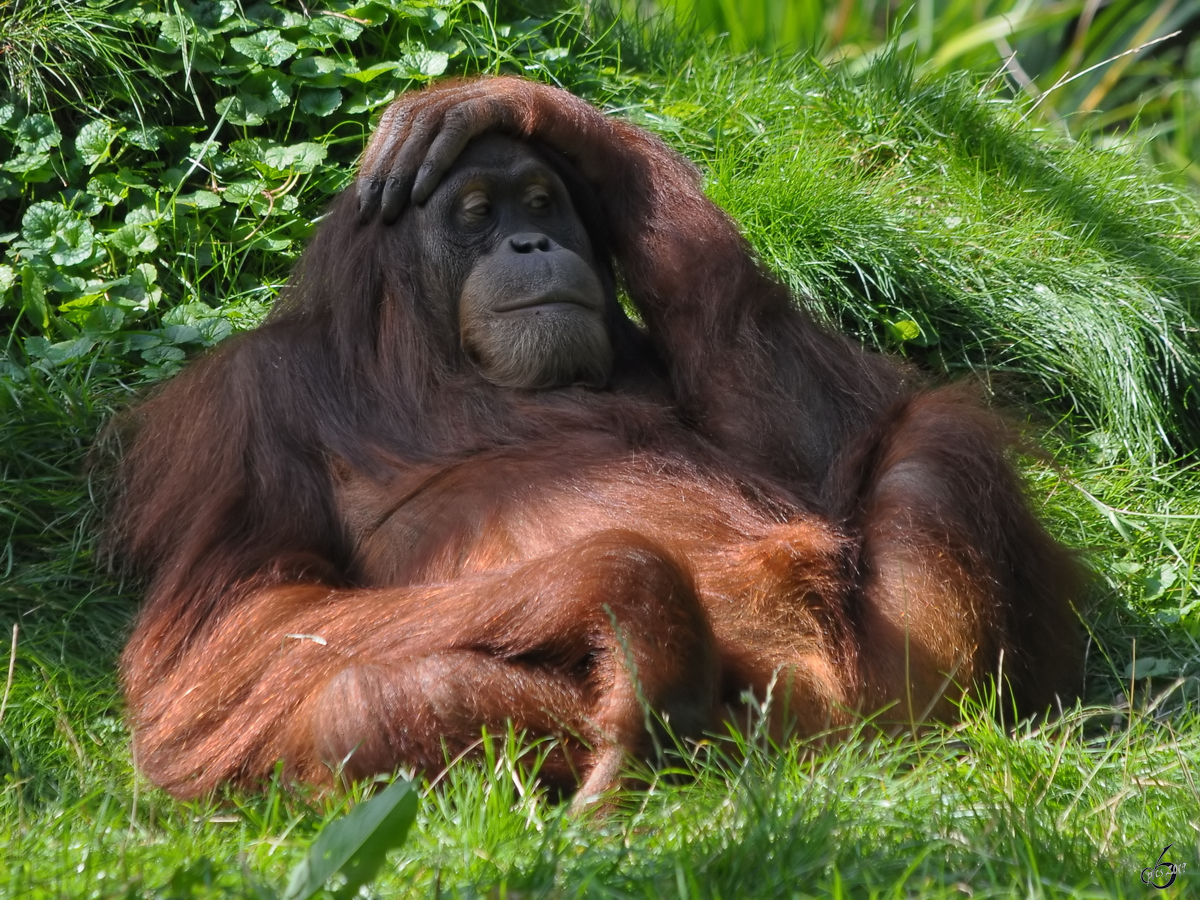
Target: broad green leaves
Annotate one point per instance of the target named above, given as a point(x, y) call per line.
point(133, 239)
point(266, 47)
point(256, 99)
point(34, 136)
point(428, 62)
point(59, 232)
point(37, 134)
point(276, 160)
point(314, 67)
point(320, 101)
point(94, 140)
point(121, 215)
point(33, 296)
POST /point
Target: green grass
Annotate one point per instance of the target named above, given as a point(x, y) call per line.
point(1076, 808)
point(922, 216)
point(1119, 71)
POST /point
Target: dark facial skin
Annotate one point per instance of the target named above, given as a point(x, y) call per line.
point(500, 228)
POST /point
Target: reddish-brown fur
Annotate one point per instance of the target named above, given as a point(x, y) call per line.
point(358, 550)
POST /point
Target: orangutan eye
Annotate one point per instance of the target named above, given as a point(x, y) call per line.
point(537, 198)
point(475, 206)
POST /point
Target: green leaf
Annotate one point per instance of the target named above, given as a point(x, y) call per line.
point(213, 330)
point(103, 321)
point(429, 63)
point(145, 137)
point(335, 27)
point(60, 281)
point(140, 291)
point(158, 355)
point(37, 347)
point(191, 880)
point(267, 47)
point(1149, 667)
point(144, 215)
point(904, 330)
point(376, 12)
point(258, 96)
point(83, 203)
point(276, 15)
point(279, 159)
point(133, 240)
point(364, 101)
point(434, 19)
point(320, 101)
point(130, 178)
point(171, 32)
point(316, 66)
point(94, 140)
point(264, 205)
point(302, 157)
point(271, 245)
point(273, 88)
point(90, 294)
point(239, 192)
point(199, 200)
point(107, 189)
point(356, 844)
point(37, 134)
point(65, 351)
point(211, 13)
point(61, 232)
point(251, 149)
point(239, 110)
point(189, 314)
point(11, 371)
point(30, 165)
point(288, 158)
point(1157, 582)
point(171, 179)
point(137, 341)
point(683, 111)
point(8, 277)
point(373, 72)
point(182, 334)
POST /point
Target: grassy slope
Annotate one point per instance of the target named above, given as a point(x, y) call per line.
point(889, 204)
